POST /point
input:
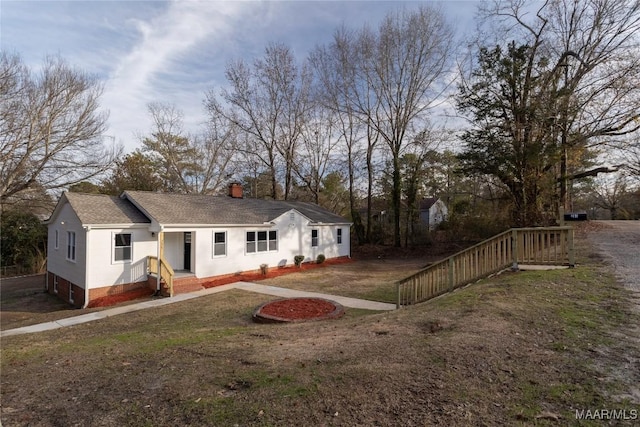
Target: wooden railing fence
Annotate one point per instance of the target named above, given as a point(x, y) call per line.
point(544, 245)
point(166, 272)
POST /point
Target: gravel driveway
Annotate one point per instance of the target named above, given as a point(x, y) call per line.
point(619, 242)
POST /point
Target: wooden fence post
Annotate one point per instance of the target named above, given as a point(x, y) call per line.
point(451, 268)
point(514, 249)
point(570, 249)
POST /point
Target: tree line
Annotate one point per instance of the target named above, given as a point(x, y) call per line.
point(549, 92)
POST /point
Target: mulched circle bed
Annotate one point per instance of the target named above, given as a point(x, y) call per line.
point(297, 310)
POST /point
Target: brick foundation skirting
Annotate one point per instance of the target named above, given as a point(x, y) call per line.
point(61, 288)
point(182, 285)
point(117, 289)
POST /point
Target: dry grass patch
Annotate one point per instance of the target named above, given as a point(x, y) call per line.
point(520, 349)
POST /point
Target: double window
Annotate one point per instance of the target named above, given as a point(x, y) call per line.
point(122, 247)
point(219, 243)
point(71, 245)
point(262, 241)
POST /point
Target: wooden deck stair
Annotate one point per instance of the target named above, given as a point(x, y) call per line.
point(540, 245)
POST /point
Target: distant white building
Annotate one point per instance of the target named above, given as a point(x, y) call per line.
point(432, 212)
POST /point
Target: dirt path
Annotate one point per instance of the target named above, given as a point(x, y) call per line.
point(619, 241)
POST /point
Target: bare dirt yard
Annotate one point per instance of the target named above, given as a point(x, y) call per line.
point(23, 302)
point(526, 348)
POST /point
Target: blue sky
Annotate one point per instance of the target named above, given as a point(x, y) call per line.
point(172, 52)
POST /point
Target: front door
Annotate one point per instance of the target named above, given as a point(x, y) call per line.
point(187, 251)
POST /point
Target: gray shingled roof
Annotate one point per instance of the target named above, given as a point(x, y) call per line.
point(169, 208)
point(426, 203)
point(103, 209)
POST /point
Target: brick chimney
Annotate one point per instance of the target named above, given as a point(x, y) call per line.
point(235, 190)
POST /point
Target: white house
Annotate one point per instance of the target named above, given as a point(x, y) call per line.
point(103, 245)
point(432, 212)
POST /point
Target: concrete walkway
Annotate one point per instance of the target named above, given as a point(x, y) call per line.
point(245, 286)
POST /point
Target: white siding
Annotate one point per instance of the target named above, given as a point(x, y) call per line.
point(437, 213)
point(294, 238)
point(103, 270)
point(433, 216)
point(57, 262)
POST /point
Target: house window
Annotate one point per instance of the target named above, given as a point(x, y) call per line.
point(55, 284)
point(251, 241)
point(314, 237)
point(56, 240)
point(219, 243)
point(339, 235)
point(262, 241)
point(122, 247)
point(273, 240)
point(71, 245)
point(70, 292)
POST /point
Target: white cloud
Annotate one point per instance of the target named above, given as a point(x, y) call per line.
point(161, 56)
point(172, 52)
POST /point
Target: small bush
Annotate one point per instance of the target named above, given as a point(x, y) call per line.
point(298, 260)
point(320, 259)
point(263, 269)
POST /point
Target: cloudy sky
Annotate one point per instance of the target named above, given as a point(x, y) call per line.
point(173, 52)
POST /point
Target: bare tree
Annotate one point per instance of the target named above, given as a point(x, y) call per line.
point(587, 63)
point(405, 68)
point(268, 102)
point(216, 155)
point(315, 152)
point(610, 192)
point(171, 148)
point(335, 68)
point(628, 157)
point(51, 127)
point(190, 163)
point(415, 161)
point(382, 83)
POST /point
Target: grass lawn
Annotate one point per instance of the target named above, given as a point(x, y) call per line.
point(527, 348)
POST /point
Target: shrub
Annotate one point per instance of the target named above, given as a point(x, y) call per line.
point(23, 241)
point(320, 259)
point(298, 260)
point(263, 269)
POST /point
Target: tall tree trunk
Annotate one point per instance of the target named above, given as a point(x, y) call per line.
point(358, 228)
point(369, 192)
point(396, 197)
